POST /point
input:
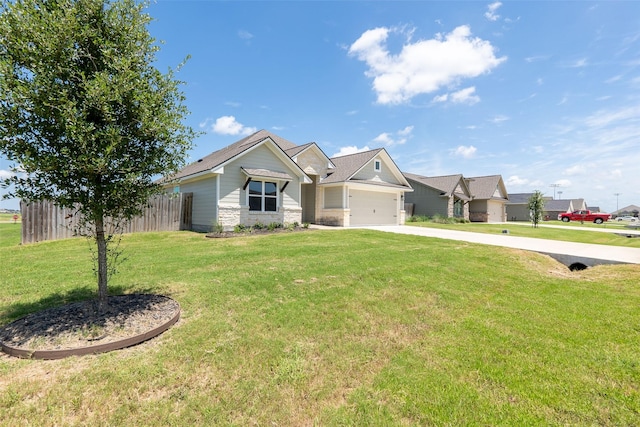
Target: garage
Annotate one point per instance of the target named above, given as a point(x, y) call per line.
point(373, 208)
point(496, 211)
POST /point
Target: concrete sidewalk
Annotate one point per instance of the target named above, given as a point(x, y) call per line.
point(565, 252)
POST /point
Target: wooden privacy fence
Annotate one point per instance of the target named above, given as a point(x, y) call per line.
point(46, 221)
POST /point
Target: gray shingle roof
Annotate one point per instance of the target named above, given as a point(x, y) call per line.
point(347, 166)
point(266, 173)
point(292, 152)
point(484, 187)
point(447, 184)
point(519, 198)
point(221, 156)
point(561, 205)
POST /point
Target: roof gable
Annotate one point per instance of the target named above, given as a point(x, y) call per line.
point(313, 148)
point(216, 160)
point(447, 184)
point(487, 187)
point(347, 167)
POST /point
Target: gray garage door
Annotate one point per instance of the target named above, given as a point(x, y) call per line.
point(373, 208)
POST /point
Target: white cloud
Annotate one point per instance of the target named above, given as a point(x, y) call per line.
point(499, 119)
point(424, 66)
point(564, 183)
point(384, 138)
point(536, 58)
point(397, 138)
point(538, 149)
point(582, 62)
point(466, 152)
point(491, 14)
point(4, 174)
point(227, 125)
point(441, 98)
point(465, 96)
point(515, 181)
point(575, 170)
point(245, 35)
point(352, 149)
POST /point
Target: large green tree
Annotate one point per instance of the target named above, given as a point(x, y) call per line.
point(85, 116)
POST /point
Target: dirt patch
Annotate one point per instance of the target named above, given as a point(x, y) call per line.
point(79, 325)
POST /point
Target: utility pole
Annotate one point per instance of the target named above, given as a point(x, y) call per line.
point(559, 194)
point(554, 189)
point(617, 196)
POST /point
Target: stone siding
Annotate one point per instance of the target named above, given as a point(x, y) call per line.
point(336, 217)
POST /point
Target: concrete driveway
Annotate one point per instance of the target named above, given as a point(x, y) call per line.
point(569, 253)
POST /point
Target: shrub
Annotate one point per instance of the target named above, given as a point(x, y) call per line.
point(217, 228)
point(273, 226)
point(240, 228)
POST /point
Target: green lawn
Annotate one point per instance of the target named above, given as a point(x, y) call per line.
point(351, 327)
point(7, 217)
point(581, 233)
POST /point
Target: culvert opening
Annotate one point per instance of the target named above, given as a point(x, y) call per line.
point(577, 266)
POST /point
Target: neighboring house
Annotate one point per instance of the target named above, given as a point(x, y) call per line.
point(632, 210)
point(488, 199)
point(595, 209)
point(447, 196)
point(553, 208)
point(578, 205)
point(363, 189)
point(518, 207)
point(264, 178)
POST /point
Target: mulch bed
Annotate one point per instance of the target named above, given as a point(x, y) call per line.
point(79, 324)
point(253, 232)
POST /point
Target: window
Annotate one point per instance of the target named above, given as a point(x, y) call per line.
point(377, 165)
point(263, 196)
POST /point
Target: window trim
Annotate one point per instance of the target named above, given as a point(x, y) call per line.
point(262, 196)
point(377, 165)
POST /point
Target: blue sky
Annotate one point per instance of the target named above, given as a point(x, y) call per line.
point(539, 92)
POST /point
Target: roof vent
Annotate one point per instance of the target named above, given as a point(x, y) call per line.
point(199, 160)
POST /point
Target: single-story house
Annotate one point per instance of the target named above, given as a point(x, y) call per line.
point(517, 207)
point(578, 204)
point(518, 210)
point(632, 210)
point(264, 178)
point(488, 199)
point(447, 196)
point(553, 208)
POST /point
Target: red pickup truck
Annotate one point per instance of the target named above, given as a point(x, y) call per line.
point(585, 215)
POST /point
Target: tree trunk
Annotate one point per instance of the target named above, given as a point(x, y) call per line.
point(102, 265)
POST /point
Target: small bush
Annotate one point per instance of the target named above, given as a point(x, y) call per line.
point(217, 228)
point(240, 228)
point(273, 226)
point(438, 219)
